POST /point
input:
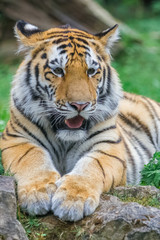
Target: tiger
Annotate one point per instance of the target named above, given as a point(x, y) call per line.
point(73, 132)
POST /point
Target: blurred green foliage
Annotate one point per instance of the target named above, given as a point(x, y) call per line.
point(129, 9)
point(6, 74)
point(139, 63)
point(150, 175)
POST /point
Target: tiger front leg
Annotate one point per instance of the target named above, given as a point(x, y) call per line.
point(78, 192)
point(35, 175)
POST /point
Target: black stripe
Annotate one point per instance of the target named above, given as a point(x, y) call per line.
point(129, 98)
point(101, 89)
point(44, 56)
point(28, 72)
point(39, 87)
point(46, 65)
point(104, 76)
point(54, 61)
point(41, 129)
point(59, 32)
point(27, 79)
point(112, 156)
point(157, 103)
point(70, 147)
point(101, 131)
point(93, 62)
point(96, 74)
point(37, 52)
point(3, 136)
point(71, 38)
point(131, 138)
point(13, 146)
point(99, 58)
point(113, 182)
point(104, 141)
point(141, 126)
point(108, 142)
point(60, 40)
point(12, 135)
point(87, 53)
point(155, 114)
point(102, 97)
point(45, 75)
point(82, 46)
point(97, 160)
point(63, 51)
point(109, 80)
point(129, 122)
point(55, 36)
point(67, 31)
point(82, 40)
point(64, 46)
point(130, 156)
point(28, 132)
point(19, 160)
point(84, 36)
point(146, 150)
point(80, 54)
point(117, 158)
point(12, 126)
point(46, 136)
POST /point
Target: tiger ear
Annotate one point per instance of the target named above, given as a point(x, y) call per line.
point(27, 33)
point(109, 36)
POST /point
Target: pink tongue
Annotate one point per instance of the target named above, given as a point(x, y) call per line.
point(75, 122)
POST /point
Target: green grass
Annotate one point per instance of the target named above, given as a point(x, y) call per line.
point(145, 201)
point(139, 64)
point(35, 230)
point(6, 74)
point(150, 175)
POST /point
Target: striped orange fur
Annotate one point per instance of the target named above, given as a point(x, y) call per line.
point(73, 133)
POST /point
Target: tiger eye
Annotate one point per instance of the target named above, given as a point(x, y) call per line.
point(91, 71)
point(58, 71)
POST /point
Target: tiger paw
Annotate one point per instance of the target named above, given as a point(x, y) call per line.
point(75, 198)
point(35, 197)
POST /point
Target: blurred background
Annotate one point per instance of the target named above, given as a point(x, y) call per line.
point(136, 57)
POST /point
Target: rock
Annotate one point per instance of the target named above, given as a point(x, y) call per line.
point(113, 220)
point(137, 191)
point(126, 220)
point(10, 227)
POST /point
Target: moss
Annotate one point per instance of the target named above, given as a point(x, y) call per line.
point(145, 201)
point(33, 226)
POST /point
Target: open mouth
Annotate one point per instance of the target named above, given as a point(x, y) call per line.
point(75, 122)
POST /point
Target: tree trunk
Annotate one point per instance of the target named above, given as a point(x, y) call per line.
point(84, 14)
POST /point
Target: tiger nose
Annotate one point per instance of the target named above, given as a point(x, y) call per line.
point(79, 106)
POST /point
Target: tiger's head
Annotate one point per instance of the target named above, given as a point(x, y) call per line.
point(66, 78)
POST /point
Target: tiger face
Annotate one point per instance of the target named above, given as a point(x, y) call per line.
point(70, 79)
